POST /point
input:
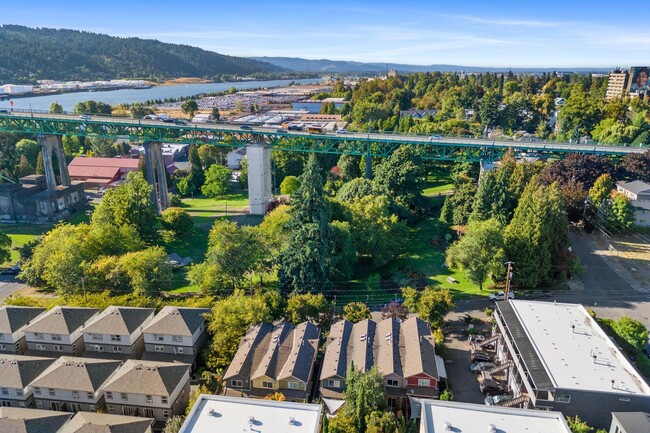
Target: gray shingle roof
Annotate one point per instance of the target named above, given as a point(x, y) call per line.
point(76, 374)
point(388, 356)
point(360, 345)
point(242, 362)
point(335, 362)
point(161, 378)
point(272, 347)
point(18, 371)
point(62, 320)
point(304, 344)
point(20, 420)
point(177, 321)
point(13, 318)
point(117, 320)
point(633, 422)
point(419, 348)
point(636, 187)
point(90, 422)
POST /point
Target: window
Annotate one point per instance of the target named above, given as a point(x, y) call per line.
point(40, 347)
point(166, 413)
point(38, 336)
point(392, 382)
point(97, 337)
point(110, 408)
point(37, 391)
point(424, 382)
point(5, 391)
point(147, 413)
point(158, 337)
point(116, 338)
point(334, 383)
point(56, 337)
point(179, 350)
point(267, 384)
point(163, 400)
point(51, 392)
point(2, 337)
point(117, 349)
point(149, 399)
point(293, 385)
point(19, 392)
point(75, 394)
point(39, 404)
point(91, 408)
point(90, 395)
point(177, 338)
point(124, 396)
point(109, 395)
point(99, 348)
point(58, 348)
point(236, 383)
point(159, 348)
point(563, 398)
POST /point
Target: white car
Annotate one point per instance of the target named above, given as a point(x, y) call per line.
point(84, 117)
point(341, 131)
point(500, 296)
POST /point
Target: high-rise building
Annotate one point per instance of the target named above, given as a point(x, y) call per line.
point(617, 83)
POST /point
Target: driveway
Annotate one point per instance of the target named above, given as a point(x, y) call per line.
point(8, 285)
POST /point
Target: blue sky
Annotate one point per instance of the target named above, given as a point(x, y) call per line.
point(547, 33)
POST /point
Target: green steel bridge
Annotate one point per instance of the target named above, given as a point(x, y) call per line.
point(229, 135)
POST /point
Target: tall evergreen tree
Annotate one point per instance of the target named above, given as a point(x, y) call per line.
point(306, 263)
point(197, 176)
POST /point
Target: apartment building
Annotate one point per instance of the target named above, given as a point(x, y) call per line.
point(21, 420)
point(274, 358)
point(73, 384)
point(556, 357)
point(59, 331)
point(148, 388)
point(13, 321)
point(16, 373)
point(402, 352)
point(617, 83)
point(117, 332)
point(89, 422)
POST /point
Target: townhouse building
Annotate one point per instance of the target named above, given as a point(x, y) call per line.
point(274, 358)
point(150, 389)
point(175, 334)
point(89, 422)
point(59, 331)
point(13, 321)
point(403, 353)
point(73, 384)
point(21, 420)
point(117, 332)
point(16, 373)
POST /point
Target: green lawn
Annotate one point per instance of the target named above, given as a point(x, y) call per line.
point(201, 206)
point(436, 186)
point(20, 234)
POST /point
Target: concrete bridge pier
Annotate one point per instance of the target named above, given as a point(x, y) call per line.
point(49, 144)
point(260, 194)
point(368, 162)
point(156, 175)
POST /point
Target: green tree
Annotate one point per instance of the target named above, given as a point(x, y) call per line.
point(243, 174)
point(216, 115)
point(274, 229)
point(489, 111)
point(190, 107)
point(355, 189)
point(356, 312)
point(349, 166)
point(342, 423)
point(480, 252)
point(492, 199)
point(401, 176)
point(307, 261)
point(103, 147)
point(196, 177)
point(56, 108)
point(40, 168)
point(173, 425)
point(5, 248)
point(632, 332)
point(308, 306)
point(71, 145)
point(218, 181)
point(621, 213)
point(30, 149)
point(289, 185)
point(432, 304)
point(24, 168)
point(364, 394)
point(601, 190)
point(577, 425)
point(382, 422)
point(147, 270)
point(177, 220)
point(129, 204)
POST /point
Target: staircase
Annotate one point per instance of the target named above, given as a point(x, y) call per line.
point(492, 339)
point(520, 401)
point(501, 367)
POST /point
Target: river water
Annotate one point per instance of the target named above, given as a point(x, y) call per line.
point(115, 97)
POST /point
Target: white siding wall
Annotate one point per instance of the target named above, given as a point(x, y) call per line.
point(47, 338)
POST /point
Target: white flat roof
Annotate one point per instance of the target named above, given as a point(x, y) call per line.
point(232, 414)
point(472, 418)
point(566, 339)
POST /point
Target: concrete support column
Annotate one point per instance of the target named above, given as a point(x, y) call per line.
point(258, 157)
point(163, 192)
point(63, 166)
point(47, 144)
point(151, 172)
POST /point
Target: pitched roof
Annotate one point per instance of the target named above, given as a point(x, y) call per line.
point(304, 344)
point(243, 360)
point(18, 371)
point(21, 420)
point(91, 422)
point(81, 161)
point(636, 187)
point(95, 173)
point(119, 320)
point(270, 350)
point(389, 341)
point(177, 321)
point(633, 422)
point(62, 320)
point(77, 374)
point(360, 345)
point(335, 362)
point(161, 378)
point(13, 318)
point(419, 348)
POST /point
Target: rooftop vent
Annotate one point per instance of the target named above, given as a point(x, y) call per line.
point(211, 411)
point(251, 419)
point(447, 426)
point(492, 428)
point(292, 420)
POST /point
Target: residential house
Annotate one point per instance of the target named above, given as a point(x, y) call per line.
point(89, 422)
point(117, 332)
point(403, 353)
point(147, 388)
point(556, 357)
point(73, 384)
point(272, 359)
point(13, 321)
point(417, 113)
point(101, 172)
point(16, 373)
point(439, 416)
point(235, 157)
point(175, 334)
point(639, 193)
point(630, 422)
point(59, 331)
point(217, 413)
point(20, 420)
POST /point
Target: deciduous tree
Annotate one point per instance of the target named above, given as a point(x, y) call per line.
point(289, 185)
point(620, 215)
point(5, 248)
point(308, 306)
point(218, 181)
point(356, 312)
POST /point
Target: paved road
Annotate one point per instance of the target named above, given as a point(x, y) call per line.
point(8, 285)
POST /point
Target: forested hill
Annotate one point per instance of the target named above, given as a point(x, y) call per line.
point(28, 54)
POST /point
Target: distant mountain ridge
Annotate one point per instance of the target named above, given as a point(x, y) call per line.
point(28, 53)
point(297, 64)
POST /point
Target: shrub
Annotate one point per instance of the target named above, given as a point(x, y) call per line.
point(632, 332)
point(175, 200)
point(177, 220)
point(447, 395)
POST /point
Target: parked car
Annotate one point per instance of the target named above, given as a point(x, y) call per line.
point(495, 400)
point(435, 137)
point(479, 356)
point(342, 131)
point(246, 128)
point(490, 387)
point(84, 117)
point(180, 122)
point(281, 131)
point(3, 111)
point(168, 120)
point(500, 296)
point(294, 128)
point(477, 367)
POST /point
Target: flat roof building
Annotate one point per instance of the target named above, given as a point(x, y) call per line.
point(616, 84)
point(558, 358)
point(215, 413)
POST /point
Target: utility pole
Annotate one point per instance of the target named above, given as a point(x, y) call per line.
point(509, 274)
